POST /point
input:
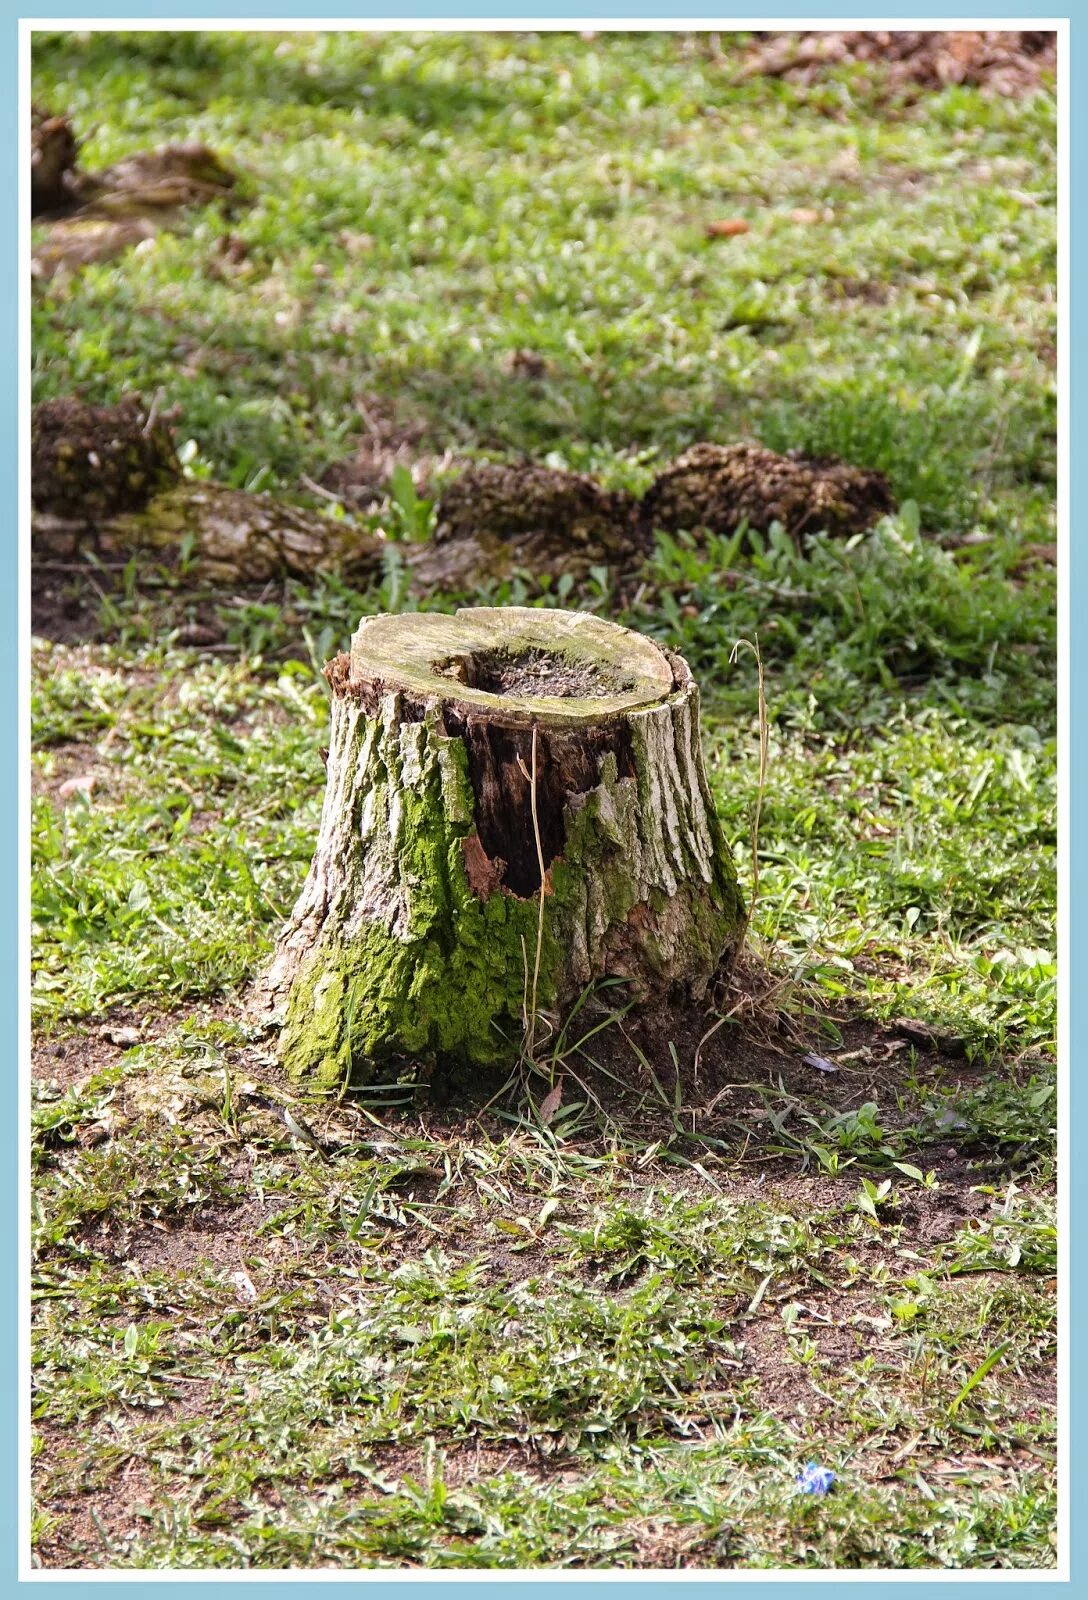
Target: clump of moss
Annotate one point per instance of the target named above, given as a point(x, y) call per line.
point(718, 487)
point(93, 462)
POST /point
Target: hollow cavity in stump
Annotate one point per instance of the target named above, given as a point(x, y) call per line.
point(466, 754)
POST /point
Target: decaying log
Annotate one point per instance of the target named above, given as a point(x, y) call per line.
point(105, 479)
point(223, 535)
point(466, 753)
point(94, 216)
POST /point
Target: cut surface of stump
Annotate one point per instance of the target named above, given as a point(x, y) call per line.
point(516, 800)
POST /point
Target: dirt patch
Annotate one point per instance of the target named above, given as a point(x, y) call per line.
point(362, 480)
point(1011, 63)
point(67, 1059)
point(718, 487)
point(71, 771)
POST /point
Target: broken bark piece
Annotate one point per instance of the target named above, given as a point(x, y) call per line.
point(718, 487)
point(224, 536)
point(467, 752)
point(923, 1036)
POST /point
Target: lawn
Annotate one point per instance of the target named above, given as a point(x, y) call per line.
point(465, 1333)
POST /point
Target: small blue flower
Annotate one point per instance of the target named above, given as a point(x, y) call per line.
point(814, 1479)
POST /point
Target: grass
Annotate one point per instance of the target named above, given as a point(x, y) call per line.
point(467, 1338)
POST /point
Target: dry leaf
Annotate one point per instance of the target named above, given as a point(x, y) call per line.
point(550, 1103)
point(356, 244)
point(821, 1063)
point(81, 785)
point(124, 1038)
point(243, 1285)
point(806, 216)
point(484, 874)
point(729, 228)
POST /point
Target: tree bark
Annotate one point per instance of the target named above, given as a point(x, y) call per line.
point(466, 754)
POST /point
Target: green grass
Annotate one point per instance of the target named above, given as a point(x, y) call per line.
point(468, 1339)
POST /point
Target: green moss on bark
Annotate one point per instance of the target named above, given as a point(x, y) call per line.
point(408, 939)
point(452, 981)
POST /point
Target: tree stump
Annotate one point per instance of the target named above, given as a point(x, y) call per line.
point(516, 806)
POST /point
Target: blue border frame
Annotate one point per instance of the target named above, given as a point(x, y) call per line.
point(1075, 754)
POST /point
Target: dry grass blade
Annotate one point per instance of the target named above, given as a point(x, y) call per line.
point(764, 762)
point(531, 1013)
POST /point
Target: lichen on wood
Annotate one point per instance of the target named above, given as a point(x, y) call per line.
point(417, 926)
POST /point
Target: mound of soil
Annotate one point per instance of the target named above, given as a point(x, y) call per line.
point(494, 520)
point(998, 62)
point(717, 487)
point(93, 462)
point(53, 152)
point(525, 500)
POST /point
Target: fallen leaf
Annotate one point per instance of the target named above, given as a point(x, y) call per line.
point(729, 228)
point(243, 1284)
point(550, 1103)
point(83, 785)
point(356, 244)
point(806, 216)
point(483, 874)
point(821, 1063)
point(125, 1038)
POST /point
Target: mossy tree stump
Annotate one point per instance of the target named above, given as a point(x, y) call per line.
point(419, 927)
